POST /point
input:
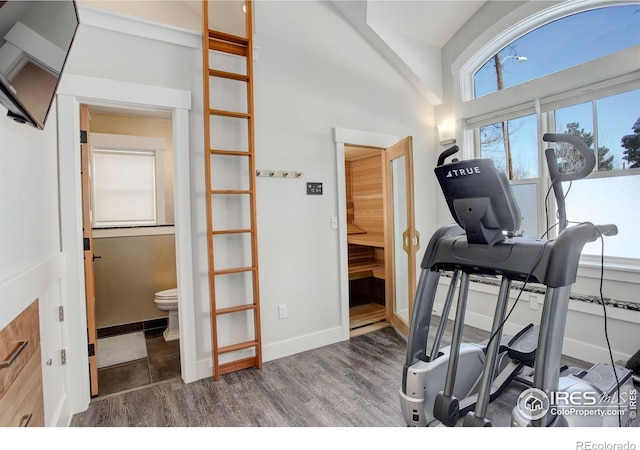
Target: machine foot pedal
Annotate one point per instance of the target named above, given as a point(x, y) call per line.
point(523, 345)
point(601, 377)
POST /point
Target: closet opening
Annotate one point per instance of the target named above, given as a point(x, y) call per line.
point(366, 237)
point(381, 238)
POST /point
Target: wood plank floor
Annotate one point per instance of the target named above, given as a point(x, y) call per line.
point(348, 384)
point(353, 383)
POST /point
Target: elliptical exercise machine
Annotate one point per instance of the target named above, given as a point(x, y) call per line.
point(484, 241)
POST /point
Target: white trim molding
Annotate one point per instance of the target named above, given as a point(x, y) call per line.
point(344, 136)
point(98, 18)
point(73, 91)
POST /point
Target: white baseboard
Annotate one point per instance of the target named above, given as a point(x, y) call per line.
point(571, 347)
point(301, 344)
point(61, 416)
point(284, 348)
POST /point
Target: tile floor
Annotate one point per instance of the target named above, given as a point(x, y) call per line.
point(162, 363)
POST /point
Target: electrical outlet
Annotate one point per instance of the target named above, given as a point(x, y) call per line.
point(282, 311)
point(533, 302)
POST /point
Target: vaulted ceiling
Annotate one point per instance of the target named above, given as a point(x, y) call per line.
point(409, 33)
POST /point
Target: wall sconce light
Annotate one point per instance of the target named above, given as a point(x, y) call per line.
point(447, 133)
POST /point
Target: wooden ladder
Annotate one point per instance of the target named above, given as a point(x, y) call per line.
point(231, 197)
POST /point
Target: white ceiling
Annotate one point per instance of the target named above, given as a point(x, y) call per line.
point(429, 21)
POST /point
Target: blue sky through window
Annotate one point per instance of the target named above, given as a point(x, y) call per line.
point(563, 43)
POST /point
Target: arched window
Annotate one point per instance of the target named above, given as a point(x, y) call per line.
point(560, 44)
point(577, 73)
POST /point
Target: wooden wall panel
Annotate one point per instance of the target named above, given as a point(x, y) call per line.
point(367, 194)
point(26, 327)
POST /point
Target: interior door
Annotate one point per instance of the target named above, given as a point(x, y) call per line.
point(402, 238)
point(92, 331)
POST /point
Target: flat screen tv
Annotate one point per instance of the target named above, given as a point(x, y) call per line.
point(35, 39)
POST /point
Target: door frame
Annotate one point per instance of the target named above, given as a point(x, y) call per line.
point(342, 137)
point(73, 91)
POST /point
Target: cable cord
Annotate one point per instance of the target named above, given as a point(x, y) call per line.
point(526, 281)
point(606, 320)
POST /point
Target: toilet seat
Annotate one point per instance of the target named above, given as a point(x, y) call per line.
point(169, 294)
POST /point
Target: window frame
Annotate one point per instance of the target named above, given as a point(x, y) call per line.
point(609, 75)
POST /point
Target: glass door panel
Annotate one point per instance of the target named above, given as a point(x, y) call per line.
point(403, 239)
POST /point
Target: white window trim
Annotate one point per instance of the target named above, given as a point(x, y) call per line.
point(605, 75)
point(126, 143)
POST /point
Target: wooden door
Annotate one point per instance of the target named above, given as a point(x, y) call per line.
point(92, 332)
point(402, 240)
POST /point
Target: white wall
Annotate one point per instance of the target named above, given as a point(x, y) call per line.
point(311, 75)
point(314, 73)
point(31, 265)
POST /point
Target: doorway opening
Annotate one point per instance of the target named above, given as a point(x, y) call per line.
point(378, 240)
point(130, 211)
point(366, 236)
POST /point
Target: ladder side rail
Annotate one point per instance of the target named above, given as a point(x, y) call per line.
point(252, 180)
point(208, 195)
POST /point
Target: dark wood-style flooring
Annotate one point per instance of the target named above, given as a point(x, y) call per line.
point(162, 363)
point(353, 383)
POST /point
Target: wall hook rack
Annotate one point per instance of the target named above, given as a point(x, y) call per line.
point(269, 173)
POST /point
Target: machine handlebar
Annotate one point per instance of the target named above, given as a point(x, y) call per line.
point(554, 173)
point(581, 147)
point(445, 154)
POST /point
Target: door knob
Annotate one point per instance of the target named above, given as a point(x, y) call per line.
point(96, 257)
point(406, 241)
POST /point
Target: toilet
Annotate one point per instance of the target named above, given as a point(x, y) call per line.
point(168, 301)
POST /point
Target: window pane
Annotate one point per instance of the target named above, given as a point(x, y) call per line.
point(124, 188)
point(607, 200)
point(527, 197)
point(517, 155)
point(560, 44)
point(619, 131)
point(576, 120)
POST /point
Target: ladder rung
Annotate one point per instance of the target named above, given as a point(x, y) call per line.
point(235, 309)
point(240, 364)
point(232, 271)
point(228, 47)
point(220, 36)
point(230, 191)
point(222, 112)
point(214, 151)
point(238, 346)
point(229, 75)
point(238, 231)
